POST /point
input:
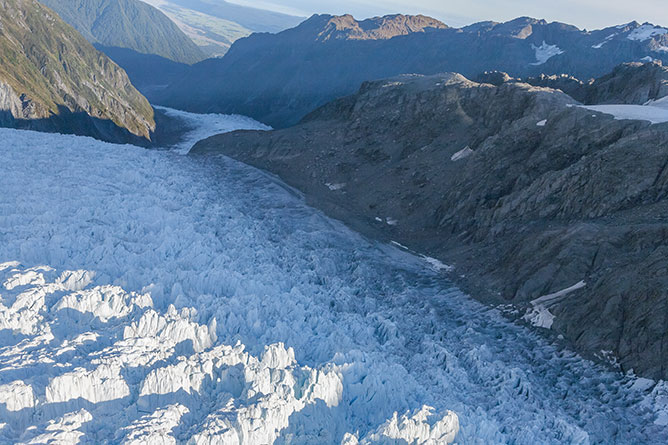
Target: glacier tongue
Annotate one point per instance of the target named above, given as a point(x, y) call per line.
point(148, 297)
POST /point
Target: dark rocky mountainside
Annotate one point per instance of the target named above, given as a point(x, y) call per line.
point(52, 79)
point(280, 78)
point(526, 193)
point(630, 83)
point(130, 24)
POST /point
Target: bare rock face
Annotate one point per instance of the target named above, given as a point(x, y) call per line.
point(539, 203)
point(378, 28)
point(631, 83)
point(52, 79)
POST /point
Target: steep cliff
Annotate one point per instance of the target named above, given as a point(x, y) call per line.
point(52, 79)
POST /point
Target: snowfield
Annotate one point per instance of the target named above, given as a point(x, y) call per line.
point(656, 114)
point(545, 52)
point(152, 298)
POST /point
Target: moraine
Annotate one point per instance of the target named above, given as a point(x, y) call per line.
point(150, 297)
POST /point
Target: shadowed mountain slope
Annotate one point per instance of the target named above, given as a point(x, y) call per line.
point(52, 79)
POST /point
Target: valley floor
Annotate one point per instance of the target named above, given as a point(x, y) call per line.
point(150, 297)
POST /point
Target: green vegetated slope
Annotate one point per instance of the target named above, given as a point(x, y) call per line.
point(128, 24)
point(48, 70)
point(215, 25)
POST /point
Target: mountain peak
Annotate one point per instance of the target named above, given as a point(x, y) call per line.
point(346, 27)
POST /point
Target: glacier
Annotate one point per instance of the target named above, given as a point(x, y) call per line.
point(148, 297)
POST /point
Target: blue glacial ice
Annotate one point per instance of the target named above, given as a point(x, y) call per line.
point(148, 297)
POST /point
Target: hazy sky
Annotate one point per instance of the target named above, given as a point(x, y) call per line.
point(583, 13)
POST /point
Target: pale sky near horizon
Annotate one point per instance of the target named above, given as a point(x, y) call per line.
point(590, 14)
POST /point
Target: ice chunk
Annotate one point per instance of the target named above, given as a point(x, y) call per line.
point(421, 427)
point(65, 430)
point(17, 396)
point(103, 384)
point(155, 428)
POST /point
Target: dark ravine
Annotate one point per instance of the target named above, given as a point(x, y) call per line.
point(52, 79)
point(467, 173)
point(279, 78)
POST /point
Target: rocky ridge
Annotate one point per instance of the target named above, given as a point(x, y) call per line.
point(378, 28)
point(552, 211)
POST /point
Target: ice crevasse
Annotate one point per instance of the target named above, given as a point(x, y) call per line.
point(150, 373)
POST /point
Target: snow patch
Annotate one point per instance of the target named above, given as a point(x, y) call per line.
point(461, 154)
point(542, 123)
point(545, 52)
point(607, 39)
point(437, 265)
point(652, 113)
point(335, 187)
point(646, 32)
point(539, 315)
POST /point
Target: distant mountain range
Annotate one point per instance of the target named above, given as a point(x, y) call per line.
point(279, 78)
point(130, 24)
point(52, 79)
point(215, 24)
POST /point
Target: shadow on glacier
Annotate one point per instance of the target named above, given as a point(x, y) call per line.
point(316, 423)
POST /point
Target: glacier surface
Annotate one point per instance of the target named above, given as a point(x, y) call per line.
point(152, 298)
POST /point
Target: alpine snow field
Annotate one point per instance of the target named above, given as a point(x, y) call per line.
point(151, 297)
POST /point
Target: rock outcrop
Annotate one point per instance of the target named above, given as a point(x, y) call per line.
point(52, 79)
point(629, 83)
point(540, 204)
